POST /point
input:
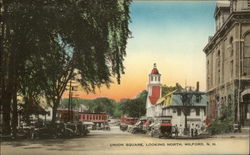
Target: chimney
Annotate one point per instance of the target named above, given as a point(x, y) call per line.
point(197, 86)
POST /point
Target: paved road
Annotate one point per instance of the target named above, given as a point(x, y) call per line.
point(116, 142)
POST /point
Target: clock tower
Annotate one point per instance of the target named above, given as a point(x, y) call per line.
point(154, 91)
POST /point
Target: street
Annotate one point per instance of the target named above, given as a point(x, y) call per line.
point(118, 142)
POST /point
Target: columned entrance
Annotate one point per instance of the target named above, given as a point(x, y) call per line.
point(245, 108)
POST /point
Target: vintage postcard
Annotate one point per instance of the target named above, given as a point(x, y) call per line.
point(122, 77)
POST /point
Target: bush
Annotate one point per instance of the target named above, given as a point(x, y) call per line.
point(224, 123)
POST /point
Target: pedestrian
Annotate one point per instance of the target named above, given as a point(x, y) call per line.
point(180, 130)
point(192, 130)
point(196, 130)
point(176, 131)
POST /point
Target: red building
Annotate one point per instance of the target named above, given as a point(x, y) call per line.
point(93, 117)
point(66, 115)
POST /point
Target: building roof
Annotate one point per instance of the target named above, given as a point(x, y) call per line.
point(175, 99)
point(223, 4)
point(155, 70)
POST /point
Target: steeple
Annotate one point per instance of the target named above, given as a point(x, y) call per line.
point(154, 76)
point(154, 90)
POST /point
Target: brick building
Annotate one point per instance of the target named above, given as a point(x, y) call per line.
point(228, 61)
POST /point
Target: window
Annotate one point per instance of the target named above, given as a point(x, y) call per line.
point(231, 52)
point(246, 61)
point(218, 76)
point(232, 68)
point(179, 112)
point(247, 45)
point(231, 46)
point(197, 111)
point(231, 41)
point(198, 98)
point(152, 78)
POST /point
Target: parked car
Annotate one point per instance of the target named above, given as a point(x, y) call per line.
point(76, 129)
point(138, 127)
point(25, 131)
point(161, 127)
point(126, 121)
point(46, 131)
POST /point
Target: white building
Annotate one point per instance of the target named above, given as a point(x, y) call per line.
point(172, 106)
point(154, 91)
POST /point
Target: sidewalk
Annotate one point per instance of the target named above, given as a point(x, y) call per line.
point(232, 135)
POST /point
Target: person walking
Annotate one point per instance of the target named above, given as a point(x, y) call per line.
point(192, 130)
point(196, 130)
point(180, 130)
point(176, 131)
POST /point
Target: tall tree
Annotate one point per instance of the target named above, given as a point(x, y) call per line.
point(87, 35)
point(135, 107)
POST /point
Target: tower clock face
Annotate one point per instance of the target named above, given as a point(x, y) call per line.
point(155, 95)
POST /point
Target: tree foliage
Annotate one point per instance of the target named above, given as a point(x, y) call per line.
point(224, 123)
point(44, 41)
point(135, 107)
point(98, 105)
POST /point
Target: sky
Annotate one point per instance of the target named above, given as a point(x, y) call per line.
point(171, 34)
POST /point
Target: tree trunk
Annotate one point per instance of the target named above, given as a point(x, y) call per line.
point(54, 110)
point(5, 87)
point(6, 113)
point(14, 122)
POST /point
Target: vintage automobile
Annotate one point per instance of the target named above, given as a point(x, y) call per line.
point(126, 121)
point(138, 127)
point(45, 131)
point(147, 125)
point(25, 130)
point(58, 130)
point(161, 127)
point(76, 129)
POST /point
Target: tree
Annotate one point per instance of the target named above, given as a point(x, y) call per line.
point(186, 98)
point(88, 35)
point(117, 110)
point(98, 105)
point(135, 107)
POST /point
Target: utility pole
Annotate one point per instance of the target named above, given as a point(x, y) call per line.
point(69, 102)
